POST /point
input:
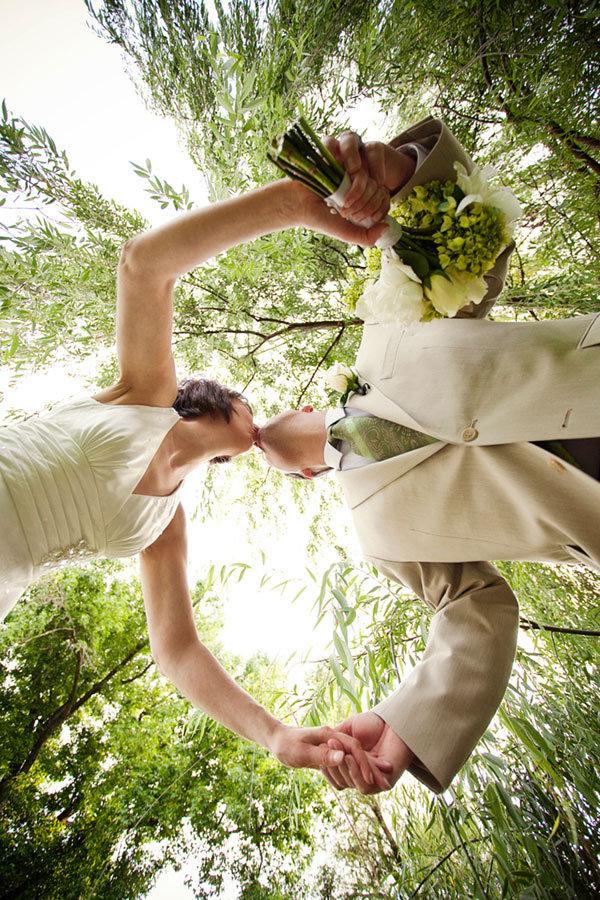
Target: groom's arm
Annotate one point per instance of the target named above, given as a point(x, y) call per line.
point(444, 705)
point(430, 725)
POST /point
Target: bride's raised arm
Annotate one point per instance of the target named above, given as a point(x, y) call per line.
point(149, 267)
point(151, 262)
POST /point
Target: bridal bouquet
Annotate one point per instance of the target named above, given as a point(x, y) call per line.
point(441, 238)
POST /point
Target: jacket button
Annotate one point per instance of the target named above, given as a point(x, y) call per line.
point(470, 434)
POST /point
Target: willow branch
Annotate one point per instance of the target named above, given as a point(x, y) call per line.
point(561, 135)
point(318, 366)
point(307, 326)
point(443, 860)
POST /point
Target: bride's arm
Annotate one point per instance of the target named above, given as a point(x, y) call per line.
point(151, 262)
point(192, 668)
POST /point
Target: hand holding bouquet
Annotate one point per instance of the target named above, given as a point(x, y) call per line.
point(442, 238)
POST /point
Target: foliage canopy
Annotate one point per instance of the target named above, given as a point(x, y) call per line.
point(80, 701)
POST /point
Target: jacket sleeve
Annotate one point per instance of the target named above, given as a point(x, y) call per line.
point(436, 150)
point(444, 705)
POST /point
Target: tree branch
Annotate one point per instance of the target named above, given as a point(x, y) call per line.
point(530, 625)
point(442, 861)
point(561, 135)
point(138, 674)
point(60, 715)
point(48, 728)
point(317, 367)
point(374, 804)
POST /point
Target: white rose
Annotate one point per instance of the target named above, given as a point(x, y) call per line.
point(337, 377)
point(397, 295)
point(477, 189)
point(450, 294)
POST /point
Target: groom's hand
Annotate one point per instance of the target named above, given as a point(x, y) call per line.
point(384, 747)
point(368, 197)
point(388, 168)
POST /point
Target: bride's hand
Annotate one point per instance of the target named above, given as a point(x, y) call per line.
point(303, 207)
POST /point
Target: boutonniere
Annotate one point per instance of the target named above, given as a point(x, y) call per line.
point(344, 380)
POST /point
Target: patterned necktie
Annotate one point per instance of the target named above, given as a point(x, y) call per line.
point(377, 438)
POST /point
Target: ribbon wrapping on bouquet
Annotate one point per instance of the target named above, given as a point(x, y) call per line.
point(393, 232)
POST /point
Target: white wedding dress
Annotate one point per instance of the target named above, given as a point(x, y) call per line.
point(66, 488)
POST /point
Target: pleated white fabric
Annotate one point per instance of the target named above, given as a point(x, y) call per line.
point(66, 488)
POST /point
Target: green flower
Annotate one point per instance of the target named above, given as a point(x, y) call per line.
point(471, 242)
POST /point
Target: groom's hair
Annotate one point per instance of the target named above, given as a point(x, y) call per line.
point(197, 397)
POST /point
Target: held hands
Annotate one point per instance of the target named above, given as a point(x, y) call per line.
point(300, 206)
point(369, 196)
point(376, 170)
point(325, 749)
point(384, 750)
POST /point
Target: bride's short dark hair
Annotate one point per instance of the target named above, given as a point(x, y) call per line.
point(197, 397)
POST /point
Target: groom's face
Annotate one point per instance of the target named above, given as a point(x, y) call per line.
point(285, 442)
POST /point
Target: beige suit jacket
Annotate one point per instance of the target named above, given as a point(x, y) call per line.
point(431, 518)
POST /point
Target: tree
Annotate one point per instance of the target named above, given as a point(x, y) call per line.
point(231, 83)
point(518, 84)
point(58, 258)
point(107, 778)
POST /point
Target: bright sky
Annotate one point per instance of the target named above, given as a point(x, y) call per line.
point(55, 72)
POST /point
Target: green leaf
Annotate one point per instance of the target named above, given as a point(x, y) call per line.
point(344, 652)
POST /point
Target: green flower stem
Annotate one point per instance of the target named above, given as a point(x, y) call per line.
point(424, 233)
point(309, 172)
point(408, 244)
point(289, 152)
point(293, 173)
point(323, 149)
point(295, 134)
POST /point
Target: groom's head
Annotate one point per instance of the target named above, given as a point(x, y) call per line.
point(294, 442)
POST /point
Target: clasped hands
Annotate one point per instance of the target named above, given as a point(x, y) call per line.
point(363, 752)
point(376, 170)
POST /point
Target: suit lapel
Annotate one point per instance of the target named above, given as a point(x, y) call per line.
point(376, 403)
point(359, 484)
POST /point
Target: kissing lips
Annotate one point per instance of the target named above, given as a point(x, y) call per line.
point(257, 441)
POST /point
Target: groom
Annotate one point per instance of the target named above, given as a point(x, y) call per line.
point(502, 462)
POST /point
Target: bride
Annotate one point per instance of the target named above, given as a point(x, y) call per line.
point(100, 476)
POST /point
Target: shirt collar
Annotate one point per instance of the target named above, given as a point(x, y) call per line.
point(333, 457)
